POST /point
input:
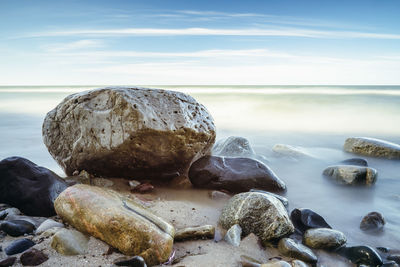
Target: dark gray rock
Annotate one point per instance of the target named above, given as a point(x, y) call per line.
point(351, 174)
point(233, 146)
point(324, 238)
point(304, 219)
point(17, 227)
point(29, 187)
point(354, 161)
point(290, 248)
point(394, 257)
point(361, 255)
point(282, 199)
point(234, 174)
point(389, 264)
point(33, 257)
point(8, 262)
point(136, 261)
point(372, 147)
point(18, 246)
point(372, 221)
point(257, 213)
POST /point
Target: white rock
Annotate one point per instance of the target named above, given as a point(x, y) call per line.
point(47, 224)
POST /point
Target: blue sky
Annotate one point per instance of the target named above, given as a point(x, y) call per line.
point(199, 42)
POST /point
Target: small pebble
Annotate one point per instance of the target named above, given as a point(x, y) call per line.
point(18, 246)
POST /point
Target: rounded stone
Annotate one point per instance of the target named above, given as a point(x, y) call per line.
point(17, 227)
point(233, 146)
point(324, 238)
point(304, 219)
point(33, 257)
point(46, 225)
point(290, 248)
point(372, 147)
point(136, 261)
point(18, 246)
point(8, 261)
point(258, 213)
point(70, 242)
point(128, 132)
point(351, 174)
point(372, 221)
point(361, 255)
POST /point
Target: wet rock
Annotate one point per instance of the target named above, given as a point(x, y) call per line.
point(136, 261)
point(128, 132)
point(33, 257)
point(8, 262)
point(394, 257)
point(233, 235)
point(218, 195)
point(354, 161)
point(389, 264)
point(290, 248)
point(233, 174)
point(351, 174)
point(324, 238)
point(372, 221)
point(247, 261)
point(297, 263)
point(17, 227)
point(199, 232)
point(361, 255)
point(18, 246)
point(143, 188)
point(276, 264)
point(291, 151)
point(47, 224)
point(304, 219)
point(372, 147)
point(257, 213)
point(70, 242)
point(282, 199)
point(29, 187)
point(233, 147)
point(117, 220)
point(36, 221)
point(8, 213)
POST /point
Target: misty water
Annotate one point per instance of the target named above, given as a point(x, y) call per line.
point(319, 119)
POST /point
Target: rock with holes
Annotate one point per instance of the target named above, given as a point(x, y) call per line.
point(128, 132)
point(258, 213)
point(234, 174)
point(372, 147)
point(117, 220)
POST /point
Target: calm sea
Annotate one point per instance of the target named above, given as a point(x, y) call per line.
point(318, 118)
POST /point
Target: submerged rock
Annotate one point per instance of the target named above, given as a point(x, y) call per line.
point(372, 221)
point(17, 227)
point(18, 246)
point(233, 147)
point(257, 213)
point(361, 255)
point(304, 219)
point(394, 257)
point(128, 132)
point(233, 174)
point(233, 235)
point(70, 242)
point(199, 232)
point(136, 261)
point(291, 151)
point(218, 195)
point(354, 161)
point(351, 174)
point(290, 248)
point(29, 187)
point(117, 220)
point(324, 238)
point(372, 147)
point(33, 257)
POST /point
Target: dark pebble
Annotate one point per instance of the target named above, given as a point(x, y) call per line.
point(8, 262)
point(395, 258)
point(3, 214)
point(18, 246)
point(355, 161)
point(17, 227)
point(361, 255)
point(372, 221)
point(136, 261)
point(383, 249)
point(33, 257)
point(390, 264)
point(304, 219)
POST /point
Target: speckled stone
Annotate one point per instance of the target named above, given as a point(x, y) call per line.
point(257, 213)
point(372, 147)
point(324, 238)
point(351, 174)
point(372, 221)
point(117, 220)
point(290, 248)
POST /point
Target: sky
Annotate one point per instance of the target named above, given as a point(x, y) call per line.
point(186, 42)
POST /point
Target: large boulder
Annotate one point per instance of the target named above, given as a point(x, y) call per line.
point(234, 174)
point(118, 221)
point(128, 132)
point(372, 147)
point(258, 213)
point(29, 187)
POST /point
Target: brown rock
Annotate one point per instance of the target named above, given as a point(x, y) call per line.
point(33, 257)
point(203, 232)
point(113, 218)
point(128, 132)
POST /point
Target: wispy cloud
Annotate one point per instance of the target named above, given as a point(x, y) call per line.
point(77, 45)
point(286, 32)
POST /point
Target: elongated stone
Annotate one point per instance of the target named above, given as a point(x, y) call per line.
point(203, 232)
point(289, 247)
point(351, 174)
point(118, 221)
point(372, 147)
